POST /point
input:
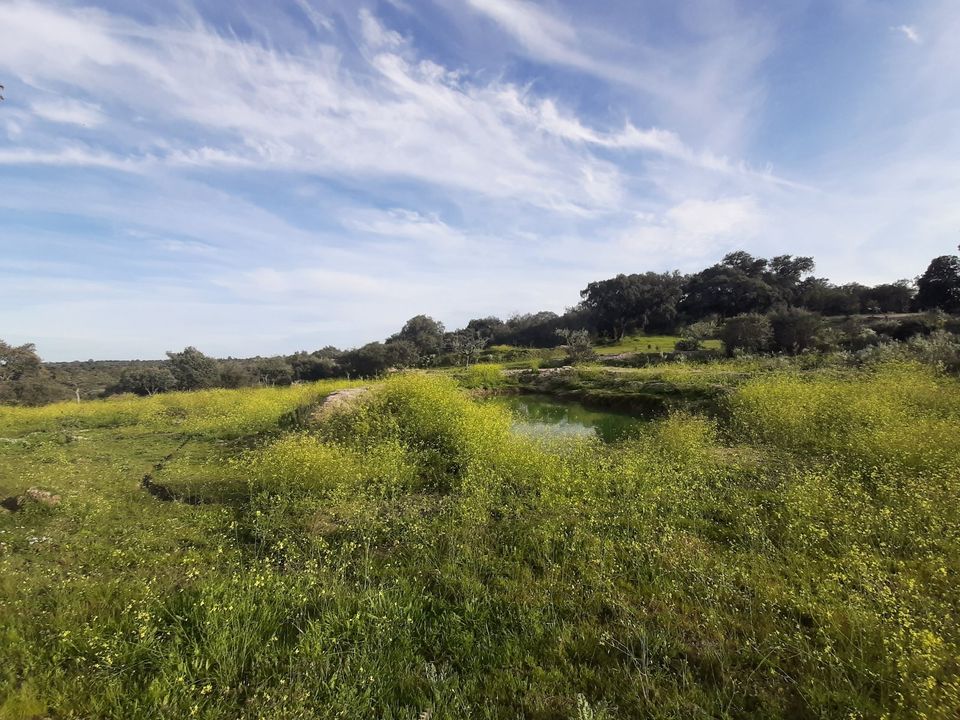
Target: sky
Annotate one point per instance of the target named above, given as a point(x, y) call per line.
point(259, 178)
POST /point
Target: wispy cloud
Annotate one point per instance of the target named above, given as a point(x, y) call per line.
point(68, 111)
point(401, 117)
point(910, 33)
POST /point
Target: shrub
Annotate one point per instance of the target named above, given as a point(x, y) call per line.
point(483, 375)
point(794, 330)
point(748, 333)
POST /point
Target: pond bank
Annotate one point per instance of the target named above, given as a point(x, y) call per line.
point(615, 391)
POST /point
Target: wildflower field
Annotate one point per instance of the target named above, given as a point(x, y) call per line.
point(794, 552)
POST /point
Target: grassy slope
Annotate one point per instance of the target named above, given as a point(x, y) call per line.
point(413, 556)
point(629, 344)
point(648, 344)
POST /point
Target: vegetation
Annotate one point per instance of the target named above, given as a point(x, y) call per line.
point(790, 547)
point(744, 303)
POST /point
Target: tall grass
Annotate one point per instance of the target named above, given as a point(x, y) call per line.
point(208, 412)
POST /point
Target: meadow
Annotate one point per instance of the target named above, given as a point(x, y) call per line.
point(790, 549)
point(643, 343)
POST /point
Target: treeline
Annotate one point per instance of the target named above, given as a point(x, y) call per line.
point(752, 304)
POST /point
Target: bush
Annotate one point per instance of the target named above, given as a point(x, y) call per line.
point(193, 370)
point(749, 333)
point(794, 330)
point(483, 375)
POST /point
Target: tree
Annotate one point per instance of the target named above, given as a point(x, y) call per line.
point(531, 330)
point(23, 379)
point(193, 370)
point(366, 361)
point(148, 380)
point(634, 302)
point(692, 336)
point(234, 375)
point(727, 290)
point(749, 333)
point(795, 329)
point(819, 295)
point(18, 362)
point(401, 354)
point(273, 371)
point(786, 273)
point(939, 286)
point(488, 327)
point(578, 343)
point(318, 365)
point(890, 297)
point(745, 263)
point(466, 344)
point(424, 332)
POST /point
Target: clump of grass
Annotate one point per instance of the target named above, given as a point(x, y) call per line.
point(486, 376)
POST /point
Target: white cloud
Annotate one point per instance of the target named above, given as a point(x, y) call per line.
point(545, 35)
point(715, 218)
point(71, 156)
point(377, 36)
point(403, 224)
point(910, 32)
point(320, 22)
point(706, 84)
point(310, 282)
point(694, 229)
point(65, 110)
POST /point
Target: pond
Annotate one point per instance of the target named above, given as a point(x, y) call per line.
point(547, 416)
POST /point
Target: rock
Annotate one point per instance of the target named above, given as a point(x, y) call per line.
point(43, 497)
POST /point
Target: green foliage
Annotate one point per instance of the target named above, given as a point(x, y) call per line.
point(939, 286)
point(145, 380)
point(577, 343)
point(794, 330)
point(424, 333)
point(648, 344)
point(193, 370)
point(466, 344)
point(23, 379)
point(273, 371)
point(749, 333)
point(214, 413)
point(486, 376)
point(634, 302)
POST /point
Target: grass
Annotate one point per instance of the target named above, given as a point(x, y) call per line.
point(517, 358)
point(648, 344)
point(795, 556)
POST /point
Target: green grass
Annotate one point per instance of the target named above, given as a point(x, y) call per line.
point(411, 557)
point(648, 344)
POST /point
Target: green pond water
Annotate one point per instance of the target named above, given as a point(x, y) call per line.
point(547, 416)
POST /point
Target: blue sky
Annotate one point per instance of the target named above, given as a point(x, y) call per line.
point(256, 178)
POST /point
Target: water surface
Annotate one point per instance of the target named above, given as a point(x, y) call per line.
point(547, 416)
